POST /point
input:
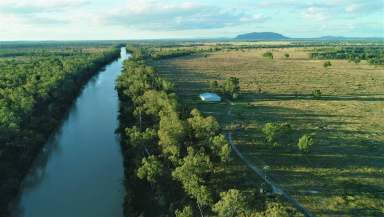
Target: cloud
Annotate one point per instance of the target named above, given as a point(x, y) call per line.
point(158, 15)
point(315, 14)
point(40, 12)
point(352, 8)
point(365, 7)
point(39, 6)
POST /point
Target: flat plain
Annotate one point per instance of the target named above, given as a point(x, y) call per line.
point(343, 175)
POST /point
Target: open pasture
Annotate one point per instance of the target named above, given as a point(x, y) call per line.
point(343, 175)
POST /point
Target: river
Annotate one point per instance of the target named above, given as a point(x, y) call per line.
point(79, 173)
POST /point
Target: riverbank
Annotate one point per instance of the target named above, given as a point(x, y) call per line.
point(17, 156)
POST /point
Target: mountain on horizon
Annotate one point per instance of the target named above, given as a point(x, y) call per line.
point(277, 36)
point(261, 36)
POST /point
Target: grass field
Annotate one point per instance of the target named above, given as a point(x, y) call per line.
point(343, 175)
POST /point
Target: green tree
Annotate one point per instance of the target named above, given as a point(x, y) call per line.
point(231, 204)
point(278, 210)
point(185, 212)
point(191, 172)
point(202, 127)
point(136, 138)
point(305, 143)
point(286, 55)
point(171, 134)
point(151, 168)
point(231, 87)
point(220, 147)
point(277, 133)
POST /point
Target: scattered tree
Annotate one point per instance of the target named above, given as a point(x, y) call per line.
point(268, 55)
point(277, 134)
point(305, 143)
point(231, 87)
point(286, 55)
point(327, 64)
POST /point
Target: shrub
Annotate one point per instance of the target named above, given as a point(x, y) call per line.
point(286, 55)
point(268, 55)
point(277, 134)
point(327, 64)
point(305, 143)
point(316, 93)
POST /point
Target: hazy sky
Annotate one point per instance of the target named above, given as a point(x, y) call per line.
point(139, 19)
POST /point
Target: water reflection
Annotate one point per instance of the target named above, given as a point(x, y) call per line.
point(79, 173)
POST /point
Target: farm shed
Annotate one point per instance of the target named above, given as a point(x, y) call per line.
point(210, 97)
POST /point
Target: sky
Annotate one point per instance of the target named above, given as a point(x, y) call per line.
point(163, 19)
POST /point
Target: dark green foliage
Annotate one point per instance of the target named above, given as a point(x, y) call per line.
point(278, 133)
point(373, 54)
point(185, 212)
point(203, 127)
point(220, 146)
point(191, 172)
point(274, 209)
point(305, 143)
point(172, 53)
point(171, 134)
point(232, 203)
point(268, 55)
point(231, 87)
point(286, 55)
point(151, 168)
point(356, 60)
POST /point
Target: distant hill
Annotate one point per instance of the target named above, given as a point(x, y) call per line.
point(331, 37)
point(261, 36)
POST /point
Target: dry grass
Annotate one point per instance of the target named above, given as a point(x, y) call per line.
point(346, 165)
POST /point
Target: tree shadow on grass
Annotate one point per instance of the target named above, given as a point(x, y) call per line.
point(339, 164)
point(338, 155)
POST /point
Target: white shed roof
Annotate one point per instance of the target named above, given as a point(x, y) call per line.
point(210, 97)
